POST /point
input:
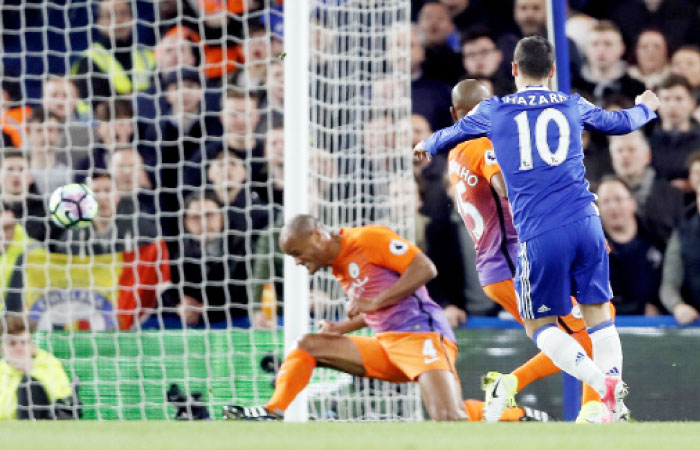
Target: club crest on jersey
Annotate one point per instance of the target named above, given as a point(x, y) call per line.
point(398, 247)
point(353, 270)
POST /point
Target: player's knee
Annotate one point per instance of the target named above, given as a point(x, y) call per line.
point(310, 343)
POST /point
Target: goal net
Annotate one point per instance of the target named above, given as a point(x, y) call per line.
point(360, 170)
point(169, 303)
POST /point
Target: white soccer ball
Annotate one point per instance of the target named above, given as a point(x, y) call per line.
point(73, 206)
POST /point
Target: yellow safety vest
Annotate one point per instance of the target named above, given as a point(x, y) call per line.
point(8, 260)
point(47, 369)
point(143, 64)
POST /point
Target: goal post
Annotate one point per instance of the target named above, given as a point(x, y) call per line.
point(350, 123)
point(166, 102)
point(296, 178)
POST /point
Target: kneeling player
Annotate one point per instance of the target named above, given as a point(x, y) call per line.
point(384, 277)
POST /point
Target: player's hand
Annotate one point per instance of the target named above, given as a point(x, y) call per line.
point(455, 316)
point(262, 322)
point(190, 310)
point(685, 313)
point(357, 306)
point(420, 153)
point(683, 184)
point(649, 99)
point(328, 327)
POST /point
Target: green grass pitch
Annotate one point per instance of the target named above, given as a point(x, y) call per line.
point(421, 436)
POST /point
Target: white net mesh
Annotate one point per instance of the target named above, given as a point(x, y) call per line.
point(171, 112)
point(361, 162)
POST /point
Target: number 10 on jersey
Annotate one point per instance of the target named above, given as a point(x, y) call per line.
point(541, 125)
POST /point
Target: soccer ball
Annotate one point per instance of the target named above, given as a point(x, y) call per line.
point(73, 206)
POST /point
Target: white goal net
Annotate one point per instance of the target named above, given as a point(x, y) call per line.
point(172, 112)
point(361, 170)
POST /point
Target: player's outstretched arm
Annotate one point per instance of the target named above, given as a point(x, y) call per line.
point(420, 271)
point(619, 122)
point(476, 124)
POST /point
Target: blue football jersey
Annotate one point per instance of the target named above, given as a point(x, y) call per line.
point(536, 135)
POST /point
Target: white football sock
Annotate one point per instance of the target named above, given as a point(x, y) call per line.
point(607, 350)
point(567, 354)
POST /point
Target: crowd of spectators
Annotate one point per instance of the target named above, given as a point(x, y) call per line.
point(646, 191)
point(183, 144)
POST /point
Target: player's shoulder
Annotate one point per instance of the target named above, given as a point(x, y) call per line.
point(480, 145)
point(378, 238)
point(484, 105)
point(367, 233)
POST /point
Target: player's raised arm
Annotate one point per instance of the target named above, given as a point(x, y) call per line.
point(619, 122)
point(476, 124)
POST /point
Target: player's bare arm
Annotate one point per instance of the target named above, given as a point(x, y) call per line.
point(342, 326)
point(498, 183)
point(420, 271)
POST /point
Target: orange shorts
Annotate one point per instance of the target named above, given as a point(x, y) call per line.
point(503, 293)
point(402, 356)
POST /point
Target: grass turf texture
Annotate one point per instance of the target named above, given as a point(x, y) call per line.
point(244, 435)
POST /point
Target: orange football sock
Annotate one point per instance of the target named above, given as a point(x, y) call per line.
point(292, 378)
point(589, 394)
point(475, 411)
point(537, 367)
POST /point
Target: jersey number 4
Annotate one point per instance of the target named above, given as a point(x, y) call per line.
point(541, 124)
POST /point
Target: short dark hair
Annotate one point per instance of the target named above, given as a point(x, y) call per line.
point(674, 80)
point(614, 179)
point(202, 195)
point(226, 153)
point(534, 56)
point(476, 33)
point(111, 110)
point(97, 173)
point(688, 48)
point(233, 92)
point(606, 25)
point(40, 115)
point(15, 323)
point(11, 152)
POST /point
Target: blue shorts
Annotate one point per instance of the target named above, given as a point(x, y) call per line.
point(553, 266)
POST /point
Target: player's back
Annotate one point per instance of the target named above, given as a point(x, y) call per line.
point(537, 139)
point(486, 216)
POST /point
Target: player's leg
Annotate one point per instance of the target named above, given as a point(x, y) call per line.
point(429, 359)
point(442, 396)
point(589, 394)
point(322, 350)
point(543, 285)
point(537, 367)
point(591, 275)
point(503, 293)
